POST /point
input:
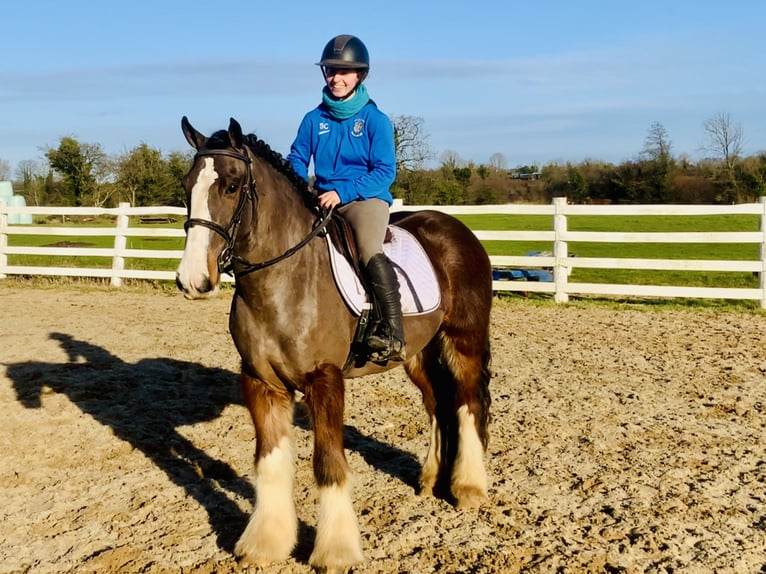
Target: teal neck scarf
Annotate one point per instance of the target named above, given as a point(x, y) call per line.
point(344, 109)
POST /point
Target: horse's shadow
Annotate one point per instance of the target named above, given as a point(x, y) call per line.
point(145, 402)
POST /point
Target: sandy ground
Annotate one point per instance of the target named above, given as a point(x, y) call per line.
point(623, 440)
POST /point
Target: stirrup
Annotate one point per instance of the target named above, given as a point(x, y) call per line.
point(392, 350)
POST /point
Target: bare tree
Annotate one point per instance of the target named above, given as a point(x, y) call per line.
point(31, 174)
point(724, 138)
point(410, 142)
point(5, 170)
point(658, 163)
point(450, 159)
point(497, 161)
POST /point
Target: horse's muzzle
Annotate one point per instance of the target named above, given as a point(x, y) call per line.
point(204, 290)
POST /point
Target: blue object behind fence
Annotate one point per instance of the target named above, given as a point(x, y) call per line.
point(499, 274)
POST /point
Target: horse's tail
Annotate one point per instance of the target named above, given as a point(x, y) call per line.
point(466, 386)
point(485, 400)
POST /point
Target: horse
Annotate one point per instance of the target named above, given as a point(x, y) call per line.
point(250, 213)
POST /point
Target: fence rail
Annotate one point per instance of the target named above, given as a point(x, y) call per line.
point(560, 262)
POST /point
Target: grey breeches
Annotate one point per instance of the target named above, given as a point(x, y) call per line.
point(368, 219)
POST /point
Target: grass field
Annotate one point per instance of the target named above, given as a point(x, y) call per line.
point(638, 224)
point(153, 243)
point(489, 222)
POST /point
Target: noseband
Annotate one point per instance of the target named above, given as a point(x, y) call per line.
point(227, 258)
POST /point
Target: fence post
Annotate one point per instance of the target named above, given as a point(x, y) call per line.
point(762, 252)
point(3, 239)
point(120, 243)
point(560, 270)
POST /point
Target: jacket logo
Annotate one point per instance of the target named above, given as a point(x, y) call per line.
point(358, 130)
point(324, 128)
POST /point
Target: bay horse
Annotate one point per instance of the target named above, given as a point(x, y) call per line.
point(250, 212)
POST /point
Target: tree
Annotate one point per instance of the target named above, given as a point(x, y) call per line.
point(578, 184)
point(454, 181)
point(176, 167)
point(657, 145)
point(659, 161)
point(724, 139)
point(79, 166)
point(482, 171)
point(144, 177)
point(5, 170)
point(497, 161)
point(418, 187)
point(32, 175)
point(449, 191)
point(451, 160)
point(410, 142)
point(139, 174)
point(752, 173)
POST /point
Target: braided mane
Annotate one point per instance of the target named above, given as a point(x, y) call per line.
point(261, 149)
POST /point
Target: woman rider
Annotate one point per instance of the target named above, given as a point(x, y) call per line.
point(352, 145)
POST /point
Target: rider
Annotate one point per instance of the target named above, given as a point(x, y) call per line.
point(352, 144)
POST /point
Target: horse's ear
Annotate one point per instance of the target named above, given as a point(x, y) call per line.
point(195, 139)
point(235, 133)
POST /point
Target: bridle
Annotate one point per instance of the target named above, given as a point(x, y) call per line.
point(228, 257)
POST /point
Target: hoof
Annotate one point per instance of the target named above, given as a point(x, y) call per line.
point(469, 497)
point(263, 546)
point(338, 544)
point(427, 484)
point(340, 561)
point(250, 557)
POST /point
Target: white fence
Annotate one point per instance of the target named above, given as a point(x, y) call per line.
point(560, 262)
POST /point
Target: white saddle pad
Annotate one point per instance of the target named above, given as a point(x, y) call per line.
point(417, 279)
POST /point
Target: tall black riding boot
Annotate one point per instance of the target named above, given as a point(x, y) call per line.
point(386, 343)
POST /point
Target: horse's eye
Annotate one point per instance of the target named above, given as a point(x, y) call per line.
point(232, 188)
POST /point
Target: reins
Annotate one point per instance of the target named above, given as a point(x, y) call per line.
point(227, 258)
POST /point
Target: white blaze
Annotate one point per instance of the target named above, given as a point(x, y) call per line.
point(192, 271)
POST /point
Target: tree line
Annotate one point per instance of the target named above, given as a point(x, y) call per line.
point(82, 174)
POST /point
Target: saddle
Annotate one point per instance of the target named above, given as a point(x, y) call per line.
point(418, 285)
point(342, 237)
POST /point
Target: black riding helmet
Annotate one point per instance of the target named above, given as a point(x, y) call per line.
point(345, 51)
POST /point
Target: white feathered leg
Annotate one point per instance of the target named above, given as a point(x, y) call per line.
point(272, 530)
point(338, 544)
point(430, 470)
point(469, 479)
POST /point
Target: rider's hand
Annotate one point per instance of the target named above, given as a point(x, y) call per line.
point(329, 199)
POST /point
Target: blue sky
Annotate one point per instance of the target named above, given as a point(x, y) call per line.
point(550, 80)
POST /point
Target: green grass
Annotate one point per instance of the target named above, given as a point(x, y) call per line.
point(637, 224)
point(153, 243)
point(492, 222)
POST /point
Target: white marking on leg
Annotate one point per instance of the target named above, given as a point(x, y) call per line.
point(469, 479)
point(430, 470)
point(192, 271)
point(338, 544)
point(272, 531)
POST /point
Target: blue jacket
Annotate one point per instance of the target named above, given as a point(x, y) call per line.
point(355, 157)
